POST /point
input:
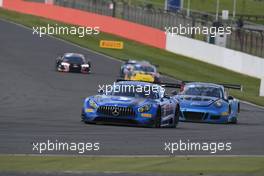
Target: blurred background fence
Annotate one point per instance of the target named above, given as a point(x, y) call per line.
point(247, 38)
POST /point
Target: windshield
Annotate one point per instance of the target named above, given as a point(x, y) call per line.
point(74, 60)
point(137, 91)
point(202, 91)
point(145, 68)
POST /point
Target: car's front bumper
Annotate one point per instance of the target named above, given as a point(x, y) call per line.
point(137, 120)
point(207, 116)
point(77, 70)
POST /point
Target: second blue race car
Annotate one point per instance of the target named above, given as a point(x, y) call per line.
point(208, 102)
point(132, 103)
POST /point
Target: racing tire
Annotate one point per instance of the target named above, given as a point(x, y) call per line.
point(82, 119)
point(157, 121)
point(176, 117)
point(234, 121)
point(156, 80)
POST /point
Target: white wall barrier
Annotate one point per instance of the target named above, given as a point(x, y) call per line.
point(219, 56)
point(49, 2)
point(261, 90)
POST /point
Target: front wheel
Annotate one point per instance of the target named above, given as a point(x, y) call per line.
point(233, 121)
point(176, 117)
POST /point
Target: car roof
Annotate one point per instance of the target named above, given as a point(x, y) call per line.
point(140, 83)
point(137, 62)
point(131, 62)
point(73, 55)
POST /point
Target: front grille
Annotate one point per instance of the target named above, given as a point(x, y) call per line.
point(122, 111)
point(194, 116)
point(215, 117)
point(75, 69)
point(115, 120)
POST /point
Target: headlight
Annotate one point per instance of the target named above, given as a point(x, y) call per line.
point(92, 104)
point(85, 65)
point(218, 103)
point(65, 64)
point(144, 108)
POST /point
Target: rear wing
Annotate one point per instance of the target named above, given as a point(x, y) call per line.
point(233, 86)
point(180, 84)
point(168, 85)
point(171, 85)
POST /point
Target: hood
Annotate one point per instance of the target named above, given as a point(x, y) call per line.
point(188, 100)
point(119, 100)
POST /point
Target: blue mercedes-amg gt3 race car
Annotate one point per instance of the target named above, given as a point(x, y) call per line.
point(207, 102)
point(132, 103)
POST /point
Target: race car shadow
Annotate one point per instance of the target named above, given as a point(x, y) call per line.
point(248, 124)
point(226, 124)
point(130, 126)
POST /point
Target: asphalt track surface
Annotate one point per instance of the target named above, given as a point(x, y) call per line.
point(38, 104)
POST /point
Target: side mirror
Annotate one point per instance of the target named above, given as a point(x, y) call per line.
point(174, 92)
point(230, 98)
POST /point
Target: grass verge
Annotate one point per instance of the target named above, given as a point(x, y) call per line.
point(177, 66)
point(190, 165)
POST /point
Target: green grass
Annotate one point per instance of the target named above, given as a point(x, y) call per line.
point(177, 66)
point(186, 165)
point(155, 3)
point(248, 7)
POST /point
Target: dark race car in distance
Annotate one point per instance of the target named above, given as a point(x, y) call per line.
point(73, 62)
point(126, 66)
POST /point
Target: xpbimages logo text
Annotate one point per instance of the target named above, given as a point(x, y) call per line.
point(80, 31)
point(182, 146)
point(198, 30)
point(145, 89)
point(62, 146)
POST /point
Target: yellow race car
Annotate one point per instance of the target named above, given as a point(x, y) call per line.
point(140, 76)
point(142, 71)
